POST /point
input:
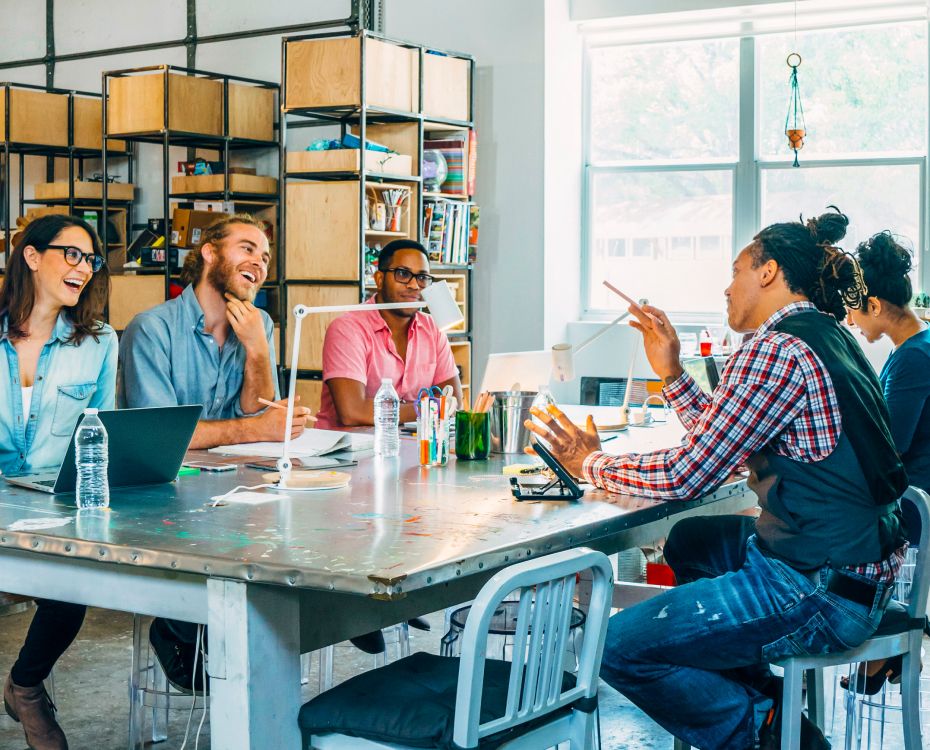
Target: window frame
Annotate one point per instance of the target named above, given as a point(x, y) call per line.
point(747, 172)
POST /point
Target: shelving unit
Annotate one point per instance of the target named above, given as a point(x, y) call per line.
point(378, 89)
point(220, 114)
point(57, 124)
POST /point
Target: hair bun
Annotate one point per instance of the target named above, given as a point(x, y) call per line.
point(887, 256)
point(829, 228)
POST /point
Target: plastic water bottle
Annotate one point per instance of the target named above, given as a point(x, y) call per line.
point(543, 400)
point(387, 420)
point(91, 456)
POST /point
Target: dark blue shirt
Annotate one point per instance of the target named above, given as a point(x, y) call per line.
point(905, 379)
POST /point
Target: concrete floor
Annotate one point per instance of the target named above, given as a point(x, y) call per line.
point(92, 695)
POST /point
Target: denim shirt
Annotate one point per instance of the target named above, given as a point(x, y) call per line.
point(168, 359)
point(69, 378)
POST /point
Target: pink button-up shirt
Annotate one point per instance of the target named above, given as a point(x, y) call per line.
point(358, 345)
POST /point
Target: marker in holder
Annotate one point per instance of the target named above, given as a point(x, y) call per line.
point(434, 413)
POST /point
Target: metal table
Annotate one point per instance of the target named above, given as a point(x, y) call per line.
point(308, 569)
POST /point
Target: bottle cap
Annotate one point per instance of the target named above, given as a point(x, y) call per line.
point(90, 412)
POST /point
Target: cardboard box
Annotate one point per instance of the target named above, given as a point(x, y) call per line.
point(213, 183)
point(54, 191)
point(88, 113)
point(347, 160)
point(251, 112)
point(187, 225)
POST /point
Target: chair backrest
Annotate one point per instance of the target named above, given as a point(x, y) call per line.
point(920, 585)
point(546, 588)
point(596, 391)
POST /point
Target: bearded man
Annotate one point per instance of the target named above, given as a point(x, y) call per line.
point(211, 345)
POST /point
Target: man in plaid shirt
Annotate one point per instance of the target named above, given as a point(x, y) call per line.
point(801, 406)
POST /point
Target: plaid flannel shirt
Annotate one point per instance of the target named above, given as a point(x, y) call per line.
point(773, 392)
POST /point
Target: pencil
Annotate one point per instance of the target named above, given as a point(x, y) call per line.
point(276, 405)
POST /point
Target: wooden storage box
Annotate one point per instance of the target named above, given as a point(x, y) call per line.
point(251, 112)
point(347, 160)
point(55, 191)
point(310, 392)
point(326, 73)
point(88, 114)
point(461, 353)
point(213, 183)
point(131, 294)
point(446, 87)
point(137, 104)
point(314, 326)
point(35, 117)
point(322, 231)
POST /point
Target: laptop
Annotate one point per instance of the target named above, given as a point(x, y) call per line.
point(704, 371)
point(146, 446)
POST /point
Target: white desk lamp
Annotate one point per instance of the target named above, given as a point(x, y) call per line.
point(442, 306)
point(563, 355)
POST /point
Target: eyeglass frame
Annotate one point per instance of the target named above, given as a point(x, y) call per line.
point(83, 256)
point(417, 276)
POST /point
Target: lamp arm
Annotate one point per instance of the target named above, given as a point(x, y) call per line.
point(601, 332)
point(284, 463)
point(362, 306)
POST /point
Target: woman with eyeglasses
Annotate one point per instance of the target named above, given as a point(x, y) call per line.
point(61, 359)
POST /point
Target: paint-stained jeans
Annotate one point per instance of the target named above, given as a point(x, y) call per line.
point(683, 656)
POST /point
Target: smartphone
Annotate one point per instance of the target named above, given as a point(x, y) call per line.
point(210, 466)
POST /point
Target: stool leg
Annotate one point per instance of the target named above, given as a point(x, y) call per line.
point(162, 703)
point(791, 708)
point(326, 667)
point(304, 669)
point(815, 701)
point(910, 693)
point(136, 672)
point(403, 640)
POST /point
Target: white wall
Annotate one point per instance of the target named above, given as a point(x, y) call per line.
point(507, 41)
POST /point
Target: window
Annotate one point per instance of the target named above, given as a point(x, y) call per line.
point(673, 179)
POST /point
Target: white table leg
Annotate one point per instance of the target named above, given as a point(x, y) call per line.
point(254, 666)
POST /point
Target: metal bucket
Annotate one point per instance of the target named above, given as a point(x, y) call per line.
point(510, 410)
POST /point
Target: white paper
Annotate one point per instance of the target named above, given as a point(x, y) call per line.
point(312, 442)
point(250, 498)
point(37, 524)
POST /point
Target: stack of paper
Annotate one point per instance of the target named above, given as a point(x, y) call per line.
point(310, 443)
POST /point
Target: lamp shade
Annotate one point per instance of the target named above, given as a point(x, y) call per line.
point(442, 305)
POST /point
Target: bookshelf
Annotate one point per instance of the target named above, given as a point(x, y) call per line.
point(364, 88)
point(59, 124)
point(222, 119)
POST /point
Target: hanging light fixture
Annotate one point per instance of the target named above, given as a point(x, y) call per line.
point(795, 128)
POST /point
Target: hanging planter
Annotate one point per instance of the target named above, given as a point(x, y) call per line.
point(795, 127)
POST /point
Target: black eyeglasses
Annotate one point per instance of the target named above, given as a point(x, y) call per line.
point(403, 275)
point(74, 256)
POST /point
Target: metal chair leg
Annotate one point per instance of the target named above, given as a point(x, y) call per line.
point(791, 708)
point(136, 677)
point(815, 700)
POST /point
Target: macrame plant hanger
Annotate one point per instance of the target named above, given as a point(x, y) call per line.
point(795, 127)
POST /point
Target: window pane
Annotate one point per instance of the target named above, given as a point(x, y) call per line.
point(892, 200)
point(665, 101)
point(678, 228)
point(863, 90)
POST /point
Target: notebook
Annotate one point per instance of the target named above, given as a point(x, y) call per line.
point(312, 442)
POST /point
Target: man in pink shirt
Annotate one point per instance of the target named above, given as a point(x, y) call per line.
point(361, 348)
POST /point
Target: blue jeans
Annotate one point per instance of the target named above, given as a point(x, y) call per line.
point(685, 657)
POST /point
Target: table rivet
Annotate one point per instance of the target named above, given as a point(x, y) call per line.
point(67, 548)
point(103, 552)
point(429, 580)
point(35, 543)
point(458, 572)
point(174, 563)
point(480, 565)
point(134, 557)
point(506, 558)
point(332, 586)
point(529, 552)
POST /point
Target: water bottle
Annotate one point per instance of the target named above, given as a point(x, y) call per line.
point(91, 457)
point(544, 399)
point(387, 418)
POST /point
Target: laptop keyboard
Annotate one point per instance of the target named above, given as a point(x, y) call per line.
point(45, 482)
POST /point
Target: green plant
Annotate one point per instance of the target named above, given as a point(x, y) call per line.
point(922, 300)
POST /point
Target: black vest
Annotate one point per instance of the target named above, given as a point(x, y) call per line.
point(842, 510)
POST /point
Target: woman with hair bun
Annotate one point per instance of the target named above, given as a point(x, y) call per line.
point(884, 310)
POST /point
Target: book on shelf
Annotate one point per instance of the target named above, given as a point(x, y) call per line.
point(455, 148)
point(447, 230)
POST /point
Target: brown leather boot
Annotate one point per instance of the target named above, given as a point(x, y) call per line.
point(33, 707)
